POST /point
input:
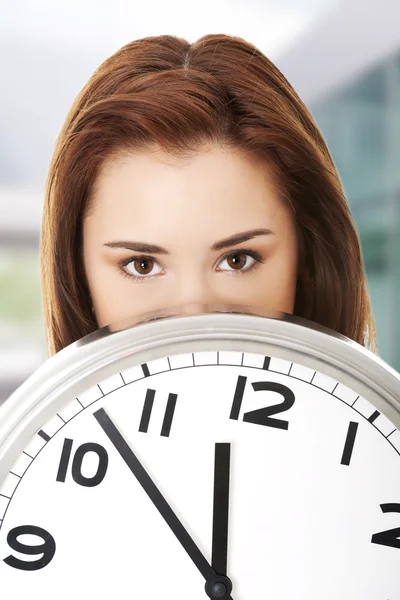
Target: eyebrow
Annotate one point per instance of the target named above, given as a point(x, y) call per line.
point(237, 238)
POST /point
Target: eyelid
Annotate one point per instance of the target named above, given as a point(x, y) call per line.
point(126, 261)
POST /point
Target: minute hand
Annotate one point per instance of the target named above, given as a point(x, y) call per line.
point(217, 586)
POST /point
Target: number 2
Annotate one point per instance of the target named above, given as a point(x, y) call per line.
point(390, 537)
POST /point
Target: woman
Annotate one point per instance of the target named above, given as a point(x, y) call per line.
point(181, 167)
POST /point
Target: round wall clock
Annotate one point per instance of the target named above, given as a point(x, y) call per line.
point(225, 454)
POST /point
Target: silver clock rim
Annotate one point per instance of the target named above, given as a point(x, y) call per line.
point(192, 328)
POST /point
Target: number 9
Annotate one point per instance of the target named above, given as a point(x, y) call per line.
point(48, 548)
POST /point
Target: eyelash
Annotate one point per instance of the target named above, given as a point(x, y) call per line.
point(255, 255)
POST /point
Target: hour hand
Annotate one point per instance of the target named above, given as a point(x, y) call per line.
point(221, 508)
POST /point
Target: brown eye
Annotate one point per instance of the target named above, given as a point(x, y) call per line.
point(143, 266)
point(237, 261)
point(241, 262)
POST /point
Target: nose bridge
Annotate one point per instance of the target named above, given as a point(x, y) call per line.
point(194, 288)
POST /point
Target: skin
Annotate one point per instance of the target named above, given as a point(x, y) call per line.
point(187, 206)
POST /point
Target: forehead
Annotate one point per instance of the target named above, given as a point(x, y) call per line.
point(215, 188)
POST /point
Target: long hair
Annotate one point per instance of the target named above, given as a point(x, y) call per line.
point(221, 89)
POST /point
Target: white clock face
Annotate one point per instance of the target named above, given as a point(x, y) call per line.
point(304, 473)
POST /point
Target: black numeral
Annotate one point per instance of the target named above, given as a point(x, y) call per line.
point(391, 537)
point(47, 548)
point(262, 416)
point(349, 443)
point(77, 475)
point(168, 415)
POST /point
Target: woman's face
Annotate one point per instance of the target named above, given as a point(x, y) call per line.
point(163, 233)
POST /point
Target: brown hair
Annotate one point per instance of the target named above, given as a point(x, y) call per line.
point(221, 89)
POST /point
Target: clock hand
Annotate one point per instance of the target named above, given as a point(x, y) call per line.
point(218, 587)
point(221, 508)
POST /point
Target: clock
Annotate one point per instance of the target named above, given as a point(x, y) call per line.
point(228, 453)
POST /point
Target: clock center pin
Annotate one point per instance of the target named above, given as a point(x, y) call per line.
point(218, 588)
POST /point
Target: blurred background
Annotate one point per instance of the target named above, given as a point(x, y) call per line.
point(342, 57)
